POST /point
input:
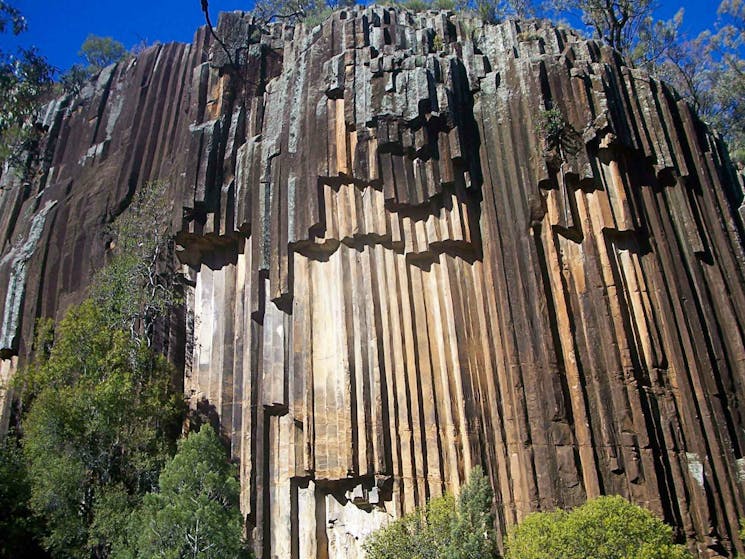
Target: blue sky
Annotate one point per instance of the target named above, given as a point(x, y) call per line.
point(58, 28)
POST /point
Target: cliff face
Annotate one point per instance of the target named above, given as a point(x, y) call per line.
point(399, 269)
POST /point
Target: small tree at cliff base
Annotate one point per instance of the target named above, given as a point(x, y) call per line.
point(604, 528)
point(447, 528)
point(97, 431)
point(195, 512)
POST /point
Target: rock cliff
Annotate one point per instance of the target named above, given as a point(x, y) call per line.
point(414, 244)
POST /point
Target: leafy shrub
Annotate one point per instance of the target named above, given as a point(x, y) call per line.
point(416, 6)
point(448, 5)
point(551, 126)
point(97, 431)
point(195, 513)
point(447, 528)
point(19, 528)
point(604, 528)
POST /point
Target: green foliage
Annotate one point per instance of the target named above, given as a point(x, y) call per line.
point(617, 23)
point(18, 527)
point(416, 6)
point(708, 70)
point(494, 11)
point(447, 528)
point(99, 52)
point(448, 5)
point(24, 77)
point(724, 74)
point(74, 79)
point(551, 127)
point(195, 513)
point(136, 287)
point(11, 16)
point(97, 431)
point(604, 528)
point(317, 16)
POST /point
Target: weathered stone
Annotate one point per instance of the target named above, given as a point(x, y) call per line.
point(393, 278)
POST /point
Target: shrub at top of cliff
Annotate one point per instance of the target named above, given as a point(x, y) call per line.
point(447, 527)
point(604, 528)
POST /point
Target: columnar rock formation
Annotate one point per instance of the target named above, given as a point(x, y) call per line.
point(415, 244)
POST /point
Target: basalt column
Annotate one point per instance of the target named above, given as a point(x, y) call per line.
point(413, 244)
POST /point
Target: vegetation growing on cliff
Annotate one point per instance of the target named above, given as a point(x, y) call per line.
point(24, 76)
point(603, 528)
point(194, 513)
point(447, 527)
point(98, 430)
point(97, 53)
point(137, 287)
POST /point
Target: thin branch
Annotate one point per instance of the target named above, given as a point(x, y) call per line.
point(205, 9)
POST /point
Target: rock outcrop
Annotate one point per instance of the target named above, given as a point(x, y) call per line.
point(415, 244)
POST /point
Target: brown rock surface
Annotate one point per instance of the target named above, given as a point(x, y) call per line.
point(394, 278)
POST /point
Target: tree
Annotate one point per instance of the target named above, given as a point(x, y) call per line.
point(725, 75)
point(616, 22)
point(99, 52)
point(103, 414)
point(11, 17)
point(447, 528)
point(73, 79)
point(195, 513)
point(97, 431)
point(137, 286)
point(24, 77)
point(708, 71)
point(604, 528)
point(19, 528)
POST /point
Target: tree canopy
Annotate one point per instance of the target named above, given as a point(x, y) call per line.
point(446, 528)
point(98, 52)
point(24, 76)
point(101, 411)
point(603, 528)
point(97, 431)
point(195, 512)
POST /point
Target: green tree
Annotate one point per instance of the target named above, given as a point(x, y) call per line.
point(617, 22)
point(97, 431)
point(195, 513)
point(25, 76)
point(447, 528)
point(99, 52)
point(725, 75)
point(11, 16)
point(708, 70)
point(19, 528)
point(137, 287)
point(604, 528)
point(74, 79)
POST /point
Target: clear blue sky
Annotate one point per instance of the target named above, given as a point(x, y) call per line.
point(58, 27)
